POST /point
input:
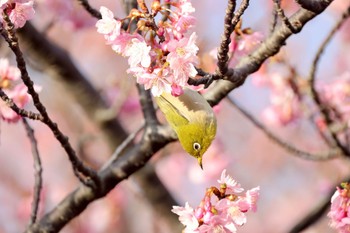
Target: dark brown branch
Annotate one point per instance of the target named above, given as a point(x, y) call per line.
point(23, 113)
point(95, 13)
point(37, 172)
point(231, 20)
point(237, 16)
point(317, 99)
point(322, 156)
point(78, 166)
point(226, 39)
point(316, 6)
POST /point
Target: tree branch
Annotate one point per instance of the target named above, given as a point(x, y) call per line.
point(37, 172)
point(57, 63)
point(23, 113)
point(315, 96)
point(78, 167)
point(147, 106)
point(132, 160)
point(316, 214)
point(322, 156)
point(93, 12)
point(280, 13)
point(251, 63)
point(226, 39)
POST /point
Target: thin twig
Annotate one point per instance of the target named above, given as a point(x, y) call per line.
point(85, 174)
point(37, 172)
point(274, 18)
point(237, 16)
point(226, 39)
point(95, 13)
point(20, 111)
point(231, 20)
point(315, 95)
point(285, 20)
point(122, 147)
point(333, 153)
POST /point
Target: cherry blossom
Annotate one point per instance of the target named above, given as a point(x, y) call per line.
point(229, 183)
point(187, 217)
point(108, 26)
point(339, 213)
point(19, 11)
point(219, 210)
point(161, 57)
point(9, 76)
point(138, 53)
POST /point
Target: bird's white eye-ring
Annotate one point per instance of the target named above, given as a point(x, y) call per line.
point(196, 146)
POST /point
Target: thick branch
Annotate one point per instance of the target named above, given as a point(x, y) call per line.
point(76, 202)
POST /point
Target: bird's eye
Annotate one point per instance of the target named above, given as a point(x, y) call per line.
point(196, 146)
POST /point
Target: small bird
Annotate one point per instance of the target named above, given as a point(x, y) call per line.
point(193, 120)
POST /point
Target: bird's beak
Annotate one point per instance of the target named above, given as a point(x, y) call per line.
point(200, 162)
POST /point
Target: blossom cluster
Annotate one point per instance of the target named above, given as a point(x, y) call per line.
point(286, 94)
point(340, 207)
point(160, 55)
point(221, 210)
point(336, 96)
point(9, 75)
point(19, 11)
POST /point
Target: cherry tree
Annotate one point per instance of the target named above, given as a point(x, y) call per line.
point(85, 149)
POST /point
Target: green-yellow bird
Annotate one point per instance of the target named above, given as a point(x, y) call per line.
point(193, 120)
